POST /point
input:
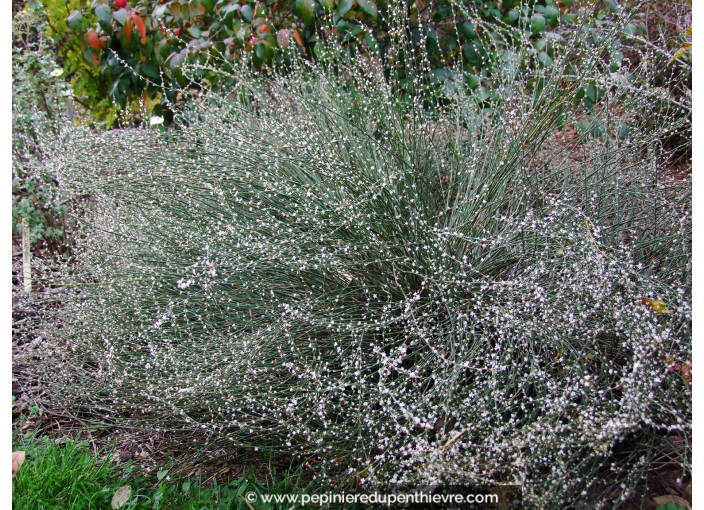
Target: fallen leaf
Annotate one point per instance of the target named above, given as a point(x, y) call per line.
point(687, 492)
point(559, 355)
point(686, 48)
point(247, 502)
point(686, 371)
point(122, 495)
point(664, 500)
point(17, 460)
point(656, 306)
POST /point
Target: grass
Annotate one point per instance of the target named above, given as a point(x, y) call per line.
point(65, 474)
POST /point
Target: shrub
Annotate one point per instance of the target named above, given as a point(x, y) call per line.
point(401, 294)
point(90, 86)
point(140, 46)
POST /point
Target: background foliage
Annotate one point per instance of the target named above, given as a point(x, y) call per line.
point(130, 50)
point(40, 103)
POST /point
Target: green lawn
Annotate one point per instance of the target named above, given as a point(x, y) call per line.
point(69, 475)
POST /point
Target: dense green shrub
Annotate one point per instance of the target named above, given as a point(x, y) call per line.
point(111, 70)
point(313, 266)
point(90, 86)
point(139, 46)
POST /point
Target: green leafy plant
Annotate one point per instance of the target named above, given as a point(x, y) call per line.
point(140, 46)
point(90, 87)
point(670, 506)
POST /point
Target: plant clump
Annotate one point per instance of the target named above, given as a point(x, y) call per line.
point(412, 291)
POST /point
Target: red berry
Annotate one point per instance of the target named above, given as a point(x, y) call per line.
point(121, 3)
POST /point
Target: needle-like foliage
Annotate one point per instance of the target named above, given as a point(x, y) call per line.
point(398, 293)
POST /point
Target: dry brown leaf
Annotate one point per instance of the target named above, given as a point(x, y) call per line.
point(686, 371)
point(657, 306)
point(247, 502)
point(686, 48)
point(122, 495)
point(17, 460)
point(687, 492)
point(664, 500)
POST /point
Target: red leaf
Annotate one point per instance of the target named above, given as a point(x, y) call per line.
point(142, 29)
point(128, 28)
point(93, 39)
point(658, 307)
point(281, 37)
point(686, 371)
point(298, 37)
